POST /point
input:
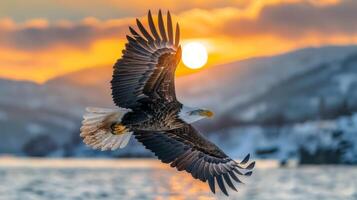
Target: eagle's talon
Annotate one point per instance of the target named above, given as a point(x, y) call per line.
point(118, 129)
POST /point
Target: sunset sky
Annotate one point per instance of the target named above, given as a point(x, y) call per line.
point(42, 39)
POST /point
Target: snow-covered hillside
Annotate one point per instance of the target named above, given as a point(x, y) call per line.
point(260, 96)
point(313, 142)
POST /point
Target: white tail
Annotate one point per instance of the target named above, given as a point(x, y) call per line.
point(96, 129)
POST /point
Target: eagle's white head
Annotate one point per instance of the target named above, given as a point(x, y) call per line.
point(190, 115)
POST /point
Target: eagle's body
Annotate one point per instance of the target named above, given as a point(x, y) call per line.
point(154, 116)
point(143, 88)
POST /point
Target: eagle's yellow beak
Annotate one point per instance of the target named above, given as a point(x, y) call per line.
point(206, 113)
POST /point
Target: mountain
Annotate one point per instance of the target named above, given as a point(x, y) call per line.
point(276, 93)
point(255, 86)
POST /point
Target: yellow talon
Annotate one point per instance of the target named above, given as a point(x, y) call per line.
point(118, 129)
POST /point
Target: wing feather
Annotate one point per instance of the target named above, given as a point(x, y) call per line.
point(186, 149)
point(143, 31)
point(177, 35)
point(169, 28)
point(146, 70)
point(153, 28)
point(211, 184)
point(162, 27)
point(221, 184)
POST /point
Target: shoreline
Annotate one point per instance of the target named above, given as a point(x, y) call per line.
point(139, 163)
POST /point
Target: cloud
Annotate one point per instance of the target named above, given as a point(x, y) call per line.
point(298, 19)
point(76, 10)
point(48, 48)
point(286, 19)
point(39, 34)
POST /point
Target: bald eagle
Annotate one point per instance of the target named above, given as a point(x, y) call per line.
point(143, 88)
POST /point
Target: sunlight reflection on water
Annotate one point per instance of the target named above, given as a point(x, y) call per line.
point(148, 179)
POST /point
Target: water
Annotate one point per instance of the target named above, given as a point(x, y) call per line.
point(148, 179)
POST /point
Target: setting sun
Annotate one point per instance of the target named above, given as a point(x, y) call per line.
point(194, 55)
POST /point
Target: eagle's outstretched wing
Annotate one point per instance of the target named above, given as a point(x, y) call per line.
point(147, 67)
point(186, 149)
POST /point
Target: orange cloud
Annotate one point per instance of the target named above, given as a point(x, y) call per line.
point(40, 66)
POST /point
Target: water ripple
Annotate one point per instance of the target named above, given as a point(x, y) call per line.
point(161, 183)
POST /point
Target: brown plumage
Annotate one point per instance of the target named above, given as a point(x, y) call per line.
point(144, 84)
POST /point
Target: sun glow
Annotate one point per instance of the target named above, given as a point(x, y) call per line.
point(194, 55)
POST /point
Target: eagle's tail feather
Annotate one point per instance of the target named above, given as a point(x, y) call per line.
point(101, 128)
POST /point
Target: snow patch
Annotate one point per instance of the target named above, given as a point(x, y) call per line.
point(34, 128)
point(345, 81)
point(285, 142)
point(253, 112)
point(3, 116)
